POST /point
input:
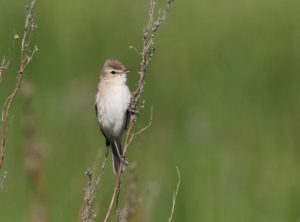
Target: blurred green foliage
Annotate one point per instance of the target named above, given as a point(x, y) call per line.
point(225, 87)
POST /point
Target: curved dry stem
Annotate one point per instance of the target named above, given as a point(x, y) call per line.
point(146, 56)
point(91, 191)
point(26, 57)
point(175, 195)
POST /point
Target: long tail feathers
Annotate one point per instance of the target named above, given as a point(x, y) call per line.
point(116, 153)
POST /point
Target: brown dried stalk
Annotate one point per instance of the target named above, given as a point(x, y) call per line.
point(175, 194)
point(4, 66)
point(26, 57)
point(6, 61)
point(149, 34)
point(90, 193)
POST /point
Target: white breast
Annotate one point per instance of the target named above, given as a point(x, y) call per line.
point(112, 101)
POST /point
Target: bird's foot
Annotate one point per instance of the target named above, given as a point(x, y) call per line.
point(133, 111)
point(124, 163)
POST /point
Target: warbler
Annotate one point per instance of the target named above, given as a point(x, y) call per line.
point(112, 102)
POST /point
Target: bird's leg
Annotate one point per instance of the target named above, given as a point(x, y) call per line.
point(120, 156)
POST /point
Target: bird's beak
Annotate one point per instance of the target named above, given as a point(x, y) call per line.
point(127, 71)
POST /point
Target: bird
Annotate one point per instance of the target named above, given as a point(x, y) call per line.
point(112, 102)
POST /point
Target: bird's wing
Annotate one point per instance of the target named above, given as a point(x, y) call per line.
point(107, 143)
point(96, 109)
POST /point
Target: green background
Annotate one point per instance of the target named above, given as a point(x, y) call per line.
point(225, 89)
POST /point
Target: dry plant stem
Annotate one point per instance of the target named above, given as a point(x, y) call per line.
point(146, 54)
point(4, 66)
point(91, 191)
point(6, 61)
point(143, 129)
point(26, 56)
point(129, 138)
point(175, 194)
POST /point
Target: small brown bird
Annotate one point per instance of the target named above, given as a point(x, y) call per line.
point(112, 103)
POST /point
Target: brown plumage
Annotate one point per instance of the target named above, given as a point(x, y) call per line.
point(114, 64)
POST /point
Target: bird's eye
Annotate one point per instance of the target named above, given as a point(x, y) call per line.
point(113, 72)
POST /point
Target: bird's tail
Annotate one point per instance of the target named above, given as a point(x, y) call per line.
point(117, 153)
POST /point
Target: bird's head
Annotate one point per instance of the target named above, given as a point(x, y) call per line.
point(114, 69)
